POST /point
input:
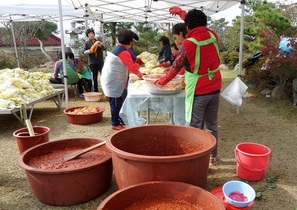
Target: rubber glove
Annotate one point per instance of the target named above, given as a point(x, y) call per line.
point(178, 11)
point(93, 49)
point(139, 62)
point(140, 75)
point(164, 64)
point(166, 78)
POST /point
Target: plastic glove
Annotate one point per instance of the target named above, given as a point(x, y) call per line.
point(166, 78)
point(178, 11)
point(164, 64)
point(93, 49)
point(139, 62)
point(140, 75)
point(87, 52)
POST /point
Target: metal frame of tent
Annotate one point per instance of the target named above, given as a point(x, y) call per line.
point(111, 11)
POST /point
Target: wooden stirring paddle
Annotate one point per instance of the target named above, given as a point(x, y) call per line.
point(30, 127)
point(73, 155)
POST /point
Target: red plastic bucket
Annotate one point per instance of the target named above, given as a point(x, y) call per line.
point(252, 160)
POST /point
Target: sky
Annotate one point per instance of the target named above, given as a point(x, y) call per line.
point(232, 12)
point(228, 14)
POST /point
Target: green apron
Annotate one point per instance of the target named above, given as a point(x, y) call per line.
point(191, 79)
point(72, 76)
point(85, 73)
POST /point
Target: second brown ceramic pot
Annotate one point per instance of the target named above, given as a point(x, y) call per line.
point(160, 153)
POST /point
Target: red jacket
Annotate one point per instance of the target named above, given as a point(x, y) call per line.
point(209, 58)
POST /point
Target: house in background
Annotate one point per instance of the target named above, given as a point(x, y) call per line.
point(51, 44)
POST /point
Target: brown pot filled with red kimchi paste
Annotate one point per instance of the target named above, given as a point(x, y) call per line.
point(160, 153)
point(162, 196)
point(55, 181)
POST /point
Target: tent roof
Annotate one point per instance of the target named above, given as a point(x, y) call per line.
point(24, 10)
point(107, 10)
point(147, 10)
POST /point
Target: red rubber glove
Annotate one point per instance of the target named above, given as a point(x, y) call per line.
point(140, 75)
point(164, 64)
point(166, 78)
point(178, 11)
point(139, 62)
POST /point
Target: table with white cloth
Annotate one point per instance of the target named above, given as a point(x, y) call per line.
point(56, 97)
point(139, 100)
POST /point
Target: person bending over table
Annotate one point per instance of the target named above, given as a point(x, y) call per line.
point(115, 73)
point(179, 32)
point(202, 76)
point(76, 74)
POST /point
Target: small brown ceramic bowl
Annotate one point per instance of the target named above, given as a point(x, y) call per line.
point(161, 195)
point(57, 182)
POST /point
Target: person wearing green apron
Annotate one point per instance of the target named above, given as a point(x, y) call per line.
point(77, 73)
point(200, 56)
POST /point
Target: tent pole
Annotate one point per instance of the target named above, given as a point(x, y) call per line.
point(102, 34)
point(14, 44)
point(241, 38)
point(63, 52)
point(241, 43)
point(86, 17)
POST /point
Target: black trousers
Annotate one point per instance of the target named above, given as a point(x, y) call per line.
point(81, 84)
point(96, 69)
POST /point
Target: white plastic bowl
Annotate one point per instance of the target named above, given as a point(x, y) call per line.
point(92, 96)
point(241, 187)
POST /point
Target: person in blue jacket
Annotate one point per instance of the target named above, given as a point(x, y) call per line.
point(165, 53)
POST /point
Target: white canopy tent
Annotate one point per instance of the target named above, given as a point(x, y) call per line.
point(110, 11)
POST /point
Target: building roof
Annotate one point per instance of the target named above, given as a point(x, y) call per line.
point(52, 40)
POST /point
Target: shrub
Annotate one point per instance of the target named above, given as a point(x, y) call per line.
point(229, 58)
point(7, 60)
point(277, 69)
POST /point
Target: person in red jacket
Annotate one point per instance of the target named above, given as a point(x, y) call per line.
point(179, 32)
point(174, 52)
point(202, 77)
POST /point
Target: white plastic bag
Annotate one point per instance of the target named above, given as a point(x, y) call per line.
point(235, 92)
point(114, 76)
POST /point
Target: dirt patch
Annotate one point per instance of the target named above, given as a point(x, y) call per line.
point(254, 123)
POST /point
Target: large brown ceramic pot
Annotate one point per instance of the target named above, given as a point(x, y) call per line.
point(58, 182)
point(159, 153)
point(161, 195)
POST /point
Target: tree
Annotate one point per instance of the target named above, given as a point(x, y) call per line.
point(230, 39)
point(111, 29)
point(219, 26)
point(264, 15)
point(26, 30)
point(148, 37)
point(290, 12)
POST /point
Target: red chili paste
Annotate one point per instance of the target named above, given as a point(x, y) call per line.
point(163, 146)
point(54, 159)
point(161, 204)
